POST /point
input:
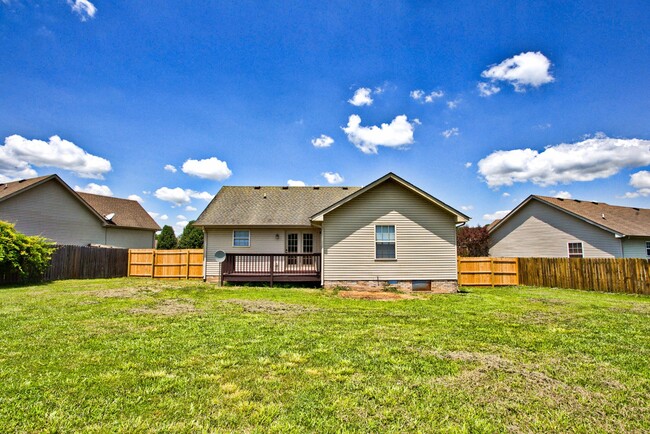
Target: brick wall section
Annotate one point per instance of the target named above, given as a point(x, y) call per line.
point(437, 286)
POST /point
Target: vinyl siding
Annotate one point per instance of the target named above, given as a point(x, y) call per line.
point(262, 241)
point(539, 230)
point(425, 238)
point(129, 238)
point(635, 248)
point(51, 211)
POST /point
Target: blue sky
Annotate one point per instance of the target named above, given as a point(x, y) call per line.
point(235, 94)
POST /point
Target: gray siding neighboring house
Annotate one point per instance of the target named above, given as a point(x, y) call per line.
point(48, 207)
point(545, 227)
point(343, 223)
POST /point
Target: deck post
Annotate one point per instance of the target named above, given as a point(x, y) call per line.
point(271, 268)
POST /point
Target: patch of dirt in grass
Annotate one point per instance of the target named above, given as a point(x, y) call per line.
point(273, 307)
point(551, 301)
point(375, 295)
point(634, 308)
point(167, 307)
point(128, 292)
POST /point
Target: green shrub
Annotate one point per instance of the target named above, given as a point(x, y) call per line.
point(167, 239)
point(27, 257)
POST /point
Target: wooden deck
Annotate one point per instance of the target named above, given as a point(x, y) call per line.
point(271, 268)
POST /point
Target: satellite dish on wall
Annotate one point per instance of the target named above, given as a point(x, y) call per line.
point(220, 255)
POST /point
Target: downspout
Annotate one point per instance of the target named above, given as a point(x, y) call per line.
point(205, 255)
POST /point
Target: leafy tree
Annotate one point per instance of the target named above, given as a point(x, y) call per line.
point(166, 239)
point(191, 238)
point(472, 241)
point(25, 256)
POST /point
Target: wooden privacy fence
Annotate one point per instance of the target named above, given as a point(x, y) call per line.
point(627, 275)
point(488, 272)
point(176, 264)
point(80, 262)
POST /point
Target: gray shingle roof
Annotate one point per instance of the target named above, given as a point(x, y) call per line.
point(269, 206)
point(10, 188)
point(128, 213)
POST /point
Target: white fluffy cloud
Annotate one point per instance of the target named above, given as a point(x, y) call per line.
point(102, 190)
point(333, 177)
point(397, 134)
point(522, 70)
point(210, 168)
point(181, 217)
point(136, 198)
point(83, 8)
point(423, 97)
point(641, 182)
point(593, 158)
point(322, 142)
point(453, 104)
point(467, 207)
point(179, 196)
point(450, 132)
point(170, 168)
point(153, 214)
point(164, 217)
point(361, 97)
point(563, 195)
point(294, 183)
point(505, 194)
point(495, 215)
point(487, 89)
point(468, 165)
point(19, 154)
point(190, 208)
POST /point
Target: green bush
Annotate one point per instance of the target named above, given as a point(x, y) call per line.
point(191, 238)
point(167, 239)
point(27, 257)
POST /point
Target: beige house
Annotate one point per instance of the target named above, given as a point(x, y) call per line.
point(388, 233)
point(47, 206)
point(552, 227)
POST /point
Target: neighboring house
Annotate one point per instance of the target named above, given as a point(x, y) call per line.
point(387, 233)
point(47, 206)
point(552, 227)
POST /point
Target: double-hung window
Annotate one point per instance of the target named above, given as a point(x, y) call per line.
point(647, 248)
point(385, 242)
point(241, 238)
point(575, 250)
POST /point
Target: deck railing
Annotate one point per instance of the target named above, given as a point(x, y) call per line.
point(278, 267)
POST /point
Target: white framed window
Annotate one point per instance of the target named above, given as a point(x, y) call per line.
point(385, 242)
point(241, 238)
point(575, 250)
point(647, 248)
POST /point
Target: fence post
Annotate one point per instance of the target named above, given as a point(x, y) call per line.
point(271, 268)
point(187, 270)
point(492, 271)
point(153, 263)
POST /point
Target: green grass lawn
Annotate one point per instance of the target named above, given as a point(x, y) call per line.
point(140, 356)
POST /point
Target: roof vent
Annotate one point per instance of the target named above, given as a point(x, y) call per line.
point(595, 203)
point(264, 195)
point(22, 180)
point(344, 188)
point(316, 188)
point(602, 216)
point(285, 188)
point(560, 199)
point(636, 209)
point(576, 200)
point(257, 187)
